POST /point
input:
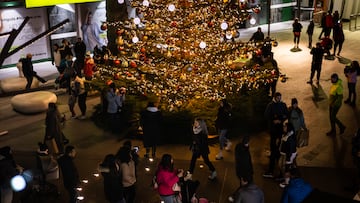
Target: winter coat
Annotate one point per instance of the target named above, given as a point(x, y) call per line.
point(223, 119)
point(151, 120)
point(318, 54)
point(243, 162)
point(200, 143)
point(338, 34)
point(296, 118)
point(113, 187)
point(165, 180)
point(288, 145)
point(69, 171)
point(27, 67)
point(336, 94)
point(276, 111)
point(296, 191)
point(249, 194)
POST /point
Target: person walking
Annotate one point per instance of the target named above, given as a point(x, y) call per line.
point(200, 147)
point(322, 24)
point(82, 95)
point(316, 63)
point(28, 71)
point(297, 190)
point(69, 172)
point(166, 177)
point(243, 163)
point(128, 172)
point(54, 137)
point(276, 113)
point(310, 32)
point(222, 123)
point(249, 192)
point(339, 37)
point(335, 101)
point(150, 120)
point(113, 187)
point(329, 24)
point(296, 116)
point(297, 32)
point(351, 73)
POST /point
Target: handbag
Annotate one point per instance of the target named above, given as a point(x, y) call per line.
point(176, 187)
point(302, 137)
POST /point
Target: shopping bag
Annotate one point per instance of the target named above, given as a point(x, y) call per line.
point(302, 137)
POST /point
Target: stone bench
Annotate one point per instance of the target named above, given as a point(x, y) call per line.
point(16, 84)
point(33, 102)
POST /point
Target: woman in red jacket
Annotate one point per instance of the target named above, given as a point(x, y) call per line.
point(166, 178)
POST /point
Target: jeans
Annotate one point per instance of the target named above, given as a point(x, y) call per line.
point(222, 138)
point(333, 119)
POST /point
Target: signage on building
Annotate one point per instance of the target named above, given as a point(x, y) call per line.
point(41, 3)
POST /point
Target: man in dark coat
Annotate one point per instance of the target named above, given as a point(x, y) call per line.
point(150, 121)
point(28, 70)
point(276, 113)
point(243, 162)
point(69, 172)
point(318, 54)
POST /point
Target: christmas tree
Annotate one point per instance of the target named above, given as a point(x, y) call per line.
point(185, 49)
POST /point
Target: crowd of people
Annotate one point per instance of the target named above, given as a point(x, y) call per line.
point(119, 170)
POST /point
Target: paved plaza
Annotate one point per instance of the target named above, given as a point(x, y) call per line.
point(326, 163)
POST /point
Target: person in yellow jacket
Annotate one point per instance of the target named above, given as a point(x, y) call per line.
point(335, 101)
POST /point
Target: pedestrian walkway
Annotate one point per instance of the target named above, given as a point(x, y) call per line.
point(326, 163)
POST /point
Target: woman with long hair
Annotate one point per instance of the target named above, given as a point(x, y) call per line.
point(200, 147)
point(166, 177)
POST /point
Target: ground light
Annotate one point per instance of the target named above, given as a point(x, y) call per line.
point(18, 183)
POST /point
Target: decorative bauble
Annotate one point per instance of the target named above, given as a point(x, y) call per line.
point(119, 41)
point(258, 52)
point(119, 31)
point(242, 5)
point(121, 48)
point(124, 63)
point(142, 50)
point(116, 76)
point(103, 26)
point(133, 64)
point(117, 62)
point(108, 82)
point(173, 24)
point(135, 55)
point(210, 24)
point(275, 43)
point(256, 10)
point(145, 38)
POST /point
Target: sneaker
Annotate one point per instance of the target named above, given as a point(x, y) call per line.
point(268, 175)
point(309, 82)
point(73, 116)
point(231, 199)
point(228, 146)
point(82, 117)
point(283, 185)
point(213, 175)
point(219, 156)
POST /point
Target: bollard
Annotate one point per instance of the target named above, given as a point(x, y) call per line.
point(352, 18)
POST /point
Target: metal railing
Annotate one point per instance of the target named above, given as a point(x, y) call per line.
point(353, 25)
